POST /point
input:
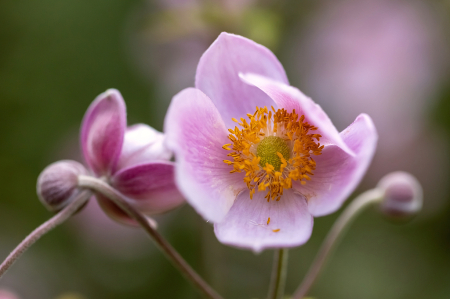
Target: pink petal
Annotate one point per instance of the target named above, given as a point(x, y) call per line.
point(289, 98)
point(142, 144)
point(196, 133)
point(246, 223)
point(150, 186)
point(337, 174)
point(102, 132)
point(217, 75)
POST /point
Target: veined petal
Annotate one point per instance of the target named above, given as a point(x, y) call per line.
point(247, 224)
point(142, 144)
point(217, 75)
point(102, 132)
point(289, 98)
point(337, 174)
point(196, 133)
point(150, 186)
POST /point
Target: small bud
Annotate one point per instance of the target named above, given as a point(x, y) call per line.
point(57, 184)
point(402, 195)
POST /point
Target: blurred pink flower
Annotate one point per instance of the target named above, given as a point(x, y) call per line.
point(234, 76)
point(383, 58)
point(133, 160)
point(4, 294)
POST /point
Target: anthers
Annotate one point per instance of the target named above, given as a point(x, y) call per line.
point(273, 148)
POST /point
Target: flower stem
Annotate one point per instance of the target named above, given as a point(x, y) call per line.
point(176, 259)
point(362, 201)
point(35, 235)
point(278, 280)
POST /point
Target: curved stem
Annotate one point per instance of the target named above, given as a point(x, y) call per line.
point(106, 190)
point(278, 280)
point(358, 205)
point(35, 235)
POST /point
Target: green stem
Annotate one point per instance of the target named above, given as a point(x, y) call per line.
point(358, 205)
point(103, 188)
point(278, 280)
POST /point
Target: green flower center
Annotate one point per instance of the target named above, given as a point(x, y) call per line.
point(268, 148)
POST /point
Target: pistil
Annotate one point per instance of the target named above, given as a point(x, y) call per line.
point(268, 149)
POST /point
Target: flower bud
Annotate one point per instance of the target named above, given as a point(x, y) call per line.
point(57, 184)
point(402, 195)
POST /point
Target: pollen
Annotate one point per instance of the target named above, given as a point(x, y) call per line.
point(273, 149)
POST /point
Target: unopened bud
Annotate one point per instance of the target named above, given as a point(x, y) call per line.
point(57, 184)
point(403, 195)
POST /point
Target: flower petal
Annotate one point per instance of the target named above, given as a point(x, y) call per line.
point(102, 132)
point(217, 75)
point(142, 144)
point(337, 174)
point(289, 98)
point(150, 186)
point(196, 133)
point(246, 224)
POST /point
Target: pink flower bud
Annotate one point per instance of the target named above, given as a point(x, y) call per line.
point(57, 184)
point(402, 195)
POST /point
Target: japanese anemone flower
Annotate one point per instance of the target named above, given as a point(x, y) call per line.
point(255, 155)
point(131, 159)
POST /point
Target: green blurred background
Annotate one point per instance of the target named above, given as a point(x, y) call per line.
point(57, 56)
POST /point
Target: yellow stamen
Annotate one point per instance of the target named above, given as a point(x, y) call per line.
point(273, 148)
point(276, 230)
point(268, 221)
point(227, 146)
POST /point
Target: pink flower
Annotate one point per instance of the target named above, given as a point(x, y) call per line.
point(4, 294)
point(133, 160)
point(254, 154)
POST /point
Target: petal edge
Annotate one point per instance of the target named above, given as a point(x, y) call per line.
point(142, 144)
point(340, 174)
point(218, 70)
point(247, 225)
point(102, 132)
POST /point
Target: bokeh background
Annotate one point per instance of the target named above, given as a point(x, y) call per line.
point(387, 58)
